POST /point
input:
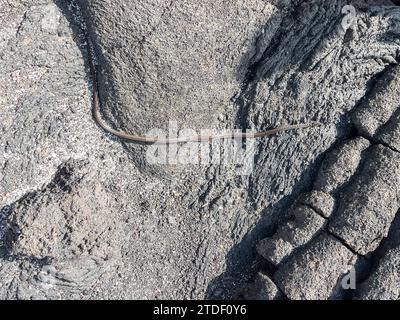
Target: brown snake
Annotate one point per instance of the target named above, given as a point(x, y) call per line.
point(197, 138)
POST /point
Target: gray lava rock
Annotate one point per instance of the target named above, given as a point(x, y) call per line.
point(390, 133)
point(340, 165)
point(172, 60)
point(83, 215)
point(384, 101)
point(319, 201)
point(366, 212)
point(263, 288)
point(314, 271)
point(67, 219)
point(384, 282)
point(303, 224)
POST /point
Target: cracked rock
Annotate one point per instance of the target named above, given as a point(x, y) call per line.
point(340, 165)
point(263, 288)
point(390, 133)
point(303, 224)
point(370, 116)
point(384, 283)
point(322, 202)
point(368, 208)
point(314, 271)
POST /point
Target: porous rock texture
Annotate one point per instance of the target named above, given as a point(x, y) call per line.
point(383, 280)
point(84, 215)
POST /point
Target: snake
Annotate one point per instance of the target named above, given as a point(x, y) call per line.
point(96, 112)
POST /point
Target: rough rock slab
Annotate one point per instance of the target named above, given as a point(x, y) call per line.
point(384, 282)
point(367, 210)
point(390, 133)
point(321, 202)
point(69, 218)
point(315, 270)
point(173, 60)
point(340, 165)
point(312, 64)
point(302, 226)
point(383, 102)
point(263, 288)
